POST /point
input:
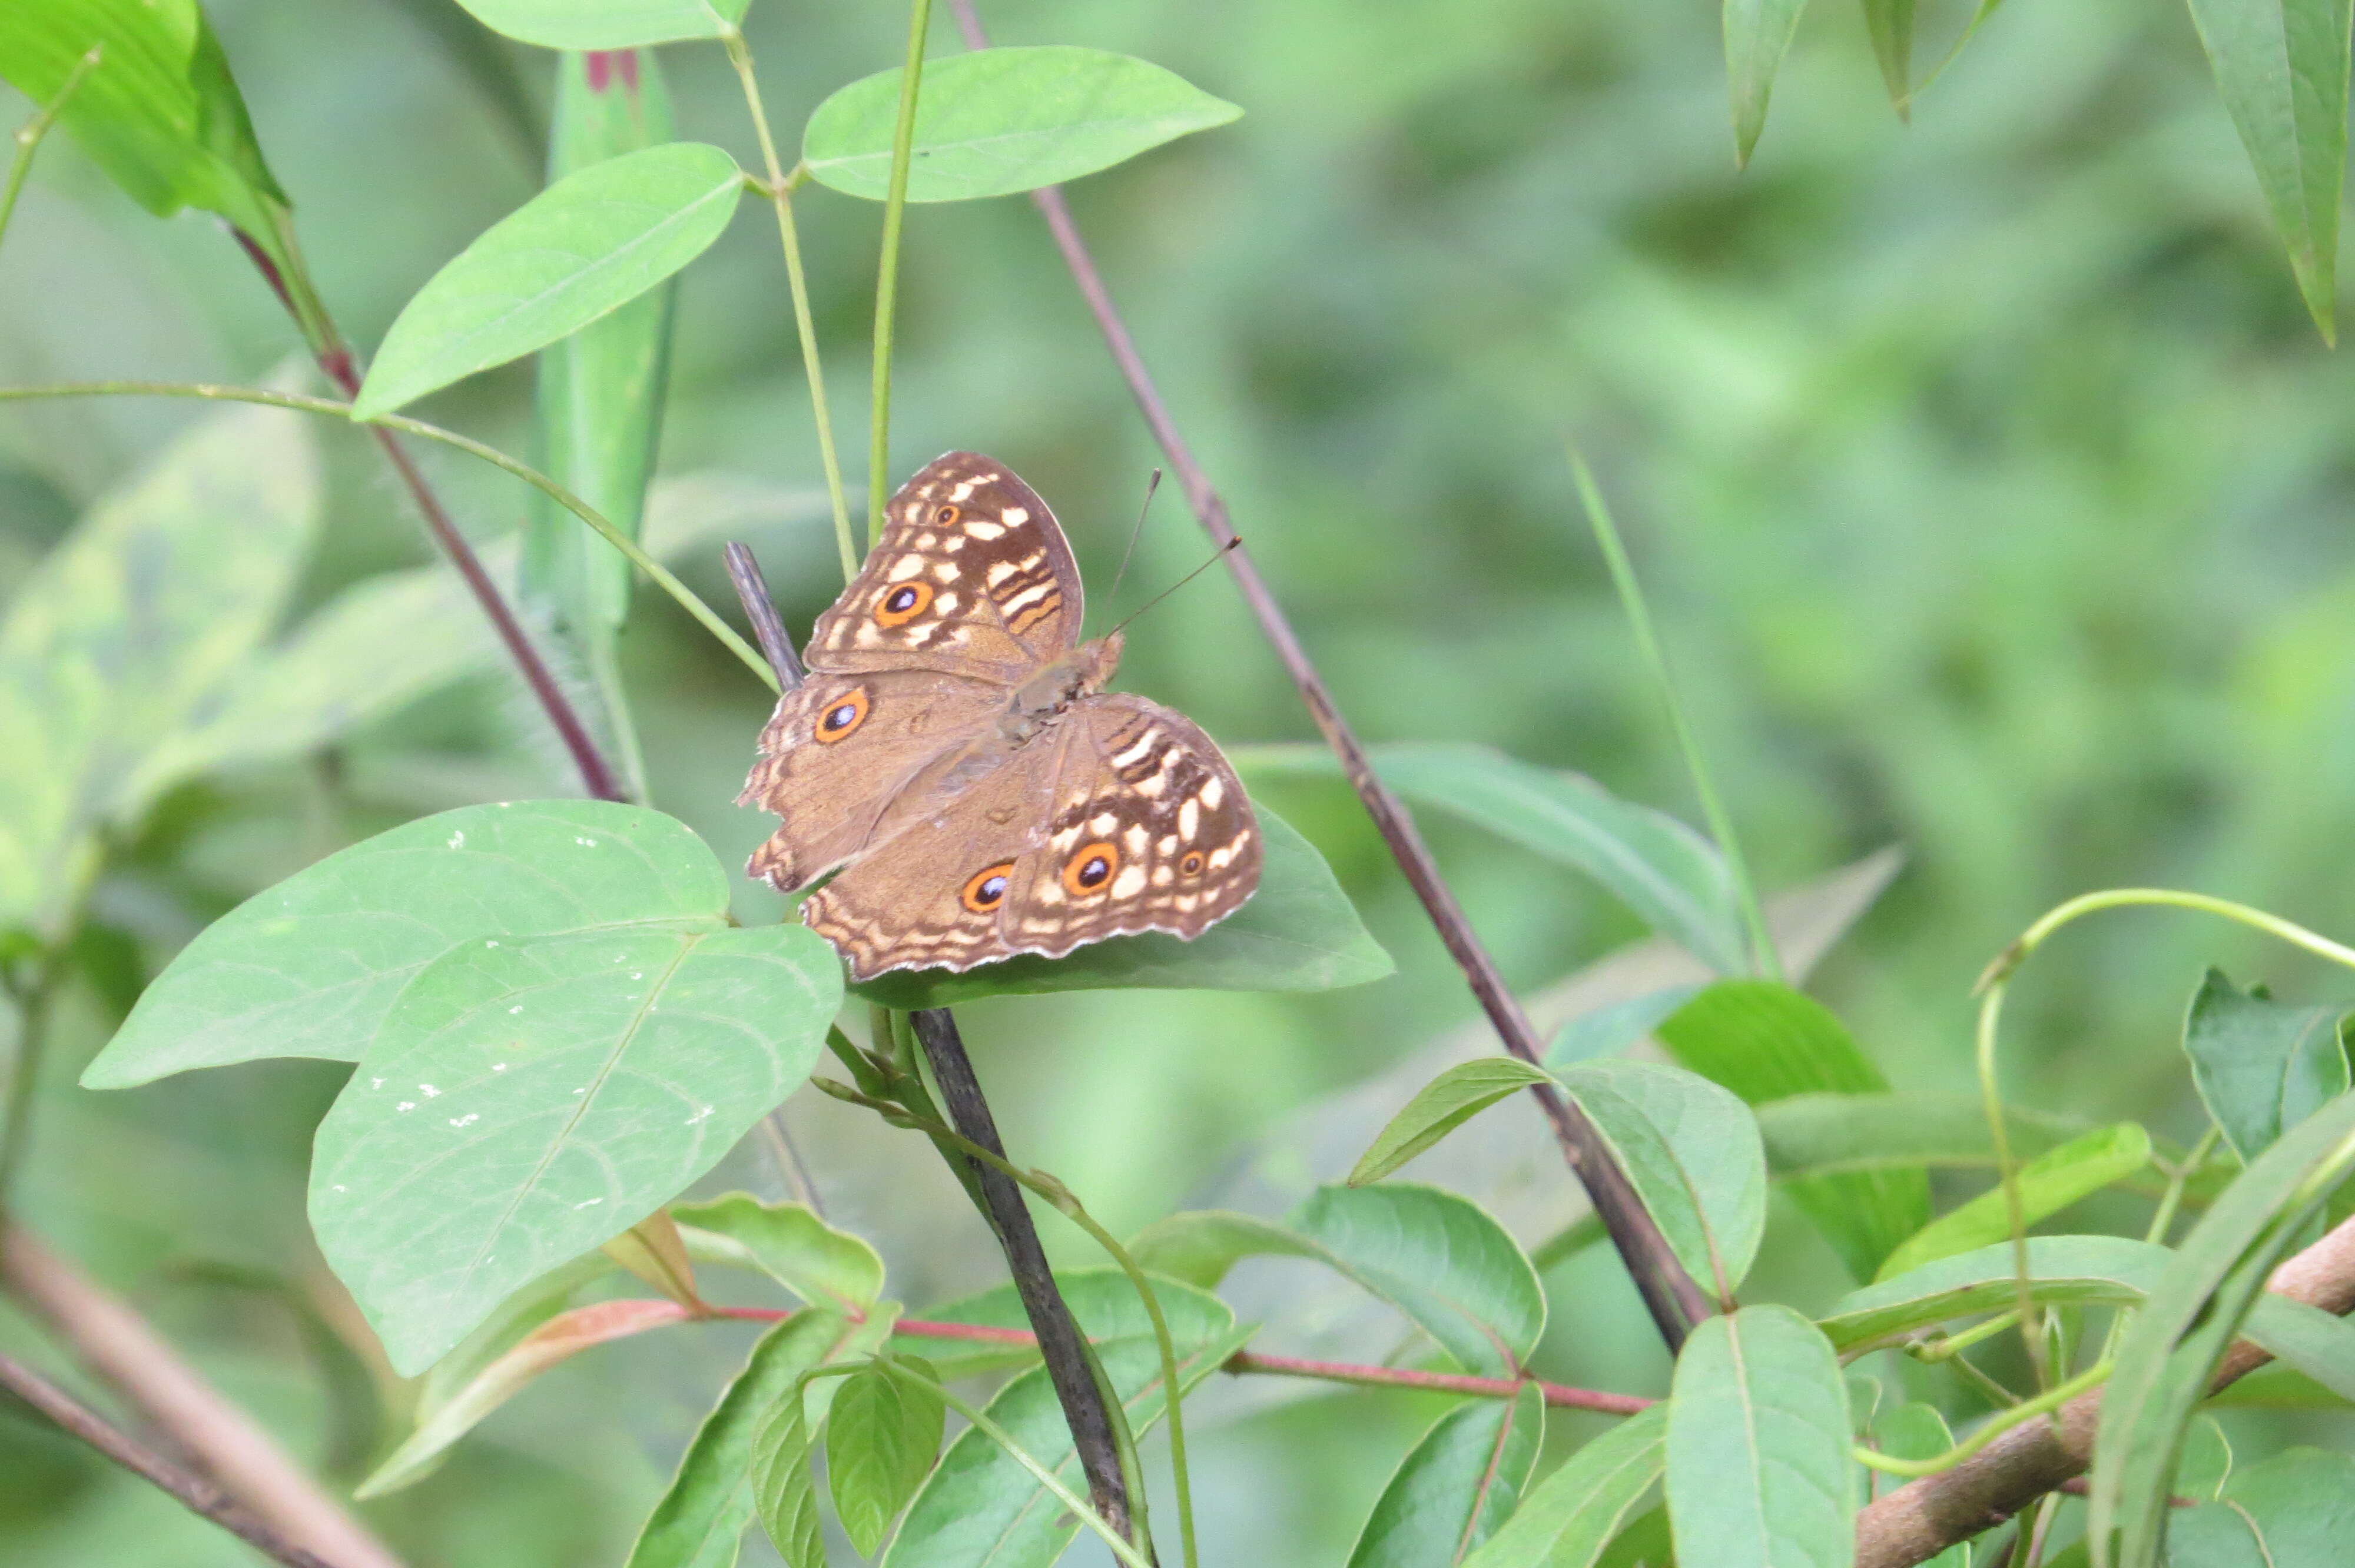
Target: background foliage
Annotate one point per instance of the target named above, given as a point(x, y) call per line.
point(1987, 474)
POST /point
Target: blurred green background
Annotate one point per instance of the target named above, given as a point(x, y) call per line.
point(1988, 478)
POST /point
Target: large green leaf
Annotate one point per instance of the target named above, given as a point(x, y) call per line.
point(2295, 1510)
point(310, 967)
point(1759, 1469)
point(607, 24)
point(2282, 67)
point(1767, 1042)
point(1757, 34)
point(701, 1518)
point(1439, 1107)
point(2171, 1349)
point(980, 1506)
point(527, 1098)
point(1692, 1150)
point(2047, 1184)
point(587, 245)
point(161, 114)
point(2262, 1065)
point(1435, 1256)
point(791, 1244)
point(131, 630)
point(1661, 869)
point(996, 122)
point(1298, 932)
point(601, 390)
point(1567, 1520)
point(1459, 1482)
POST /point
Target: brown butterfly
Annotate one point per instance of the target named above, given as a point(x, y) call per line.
point(954, 752)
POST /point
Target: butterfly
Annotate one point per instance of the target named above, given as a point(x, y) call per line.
point(954, 757)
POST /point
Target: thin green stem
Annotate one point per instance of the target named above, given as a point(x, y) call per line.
point(29, 134)
point(887, 276)
point(1948, 1346)
point(1041, 1473)
point(779, 187)
point(2163, 1219)
point(1994, 1426)
point(1639, 621)
point(659, 575)
point(32, 998)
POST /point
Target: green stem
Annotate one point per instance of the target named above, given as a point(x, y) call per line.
point(32, 999)
point(887, 278)
point(1994, 1426)
point(28, 136)
point(1639, 621)
point(1041, 1473)
point(779, 187)
point(659, 575)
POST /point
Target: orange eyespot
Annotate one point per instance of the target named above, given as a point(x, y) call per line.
point(903, 604)
point(945, 516)
point(847, 714)
point(986, 890)
point(1192, 864)
point(1088, 871)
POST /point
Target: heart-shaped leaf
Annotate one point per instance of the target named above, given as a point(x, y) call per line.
point(1298, 932)
point(528, 1098)
point(996, 121)
point(880, 1440)
point(2262, 1065)
point(585, 246)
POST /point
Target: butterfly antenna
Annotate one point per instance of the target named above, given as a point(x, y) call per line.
point(1133, 536)
point(1215, 557)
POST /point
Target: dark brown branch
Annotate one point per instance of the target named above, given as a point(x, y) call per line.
point(1922, 1519)
point(1676, 1301)
point(122, 1349)
point(1086, 1409)
point(596, 776)
point(198, 1495)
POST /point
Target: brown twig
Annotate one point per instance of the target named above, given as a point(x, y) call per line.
point(596, 774)
point(1086, 1407)
point(121, 1348)
point(198, 1495)
point(1922, 1519)
point(1675, 1300)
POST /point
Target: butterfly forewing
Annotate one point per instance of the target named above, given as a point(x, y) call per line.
point(972, 575)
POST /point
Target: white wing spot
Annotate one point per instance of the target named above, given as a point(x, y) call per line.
point(1015, 516)
point(983, 529)
point(1190, 818)
point(1212, 793)
point(1129, 883)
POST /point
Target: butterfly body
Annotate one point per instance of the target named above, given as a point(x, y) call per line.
point(954, 755)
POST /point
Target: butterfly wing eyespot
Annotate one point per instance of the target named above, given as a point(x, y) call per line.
point(845, 715)
point(986, 889)
point(903, 604)
point(1091, 868)
point(945, 516)
point(1192, 864)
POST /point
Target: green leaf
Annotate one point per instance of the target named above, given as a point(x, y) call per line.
point(1890, 25)
point(1759, 1469)
point(881, 1441)
point(822, 1265)
point(528, 1098)
point(1103, 1302)
point(2295, 1510)
point(2318, 1343)
point(2207, 1461)
point(1757, 34)
point(702, 1516)
point(131, 630)
point(1299, 932)
point(1437, 1257)
point(996, 121)
point(781, 1491)
point(1441, 1105)
point(1692, 1151)
point(600, 391)
point(2262, 1065)
point(2048, 1183)
point(1459, 1482)
point(161, 115)
point(2282, 67)
point(1567, 1519)
point(588, 244)
point(2086, 1271)
point(2173, 1345)
point(1818, 1134)
point(560, 1339)
point(1767, 1042)
point(607, 24)
point(1661, 869)
point(310, 967)
point(1607, 1031)
point(980, 1506)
